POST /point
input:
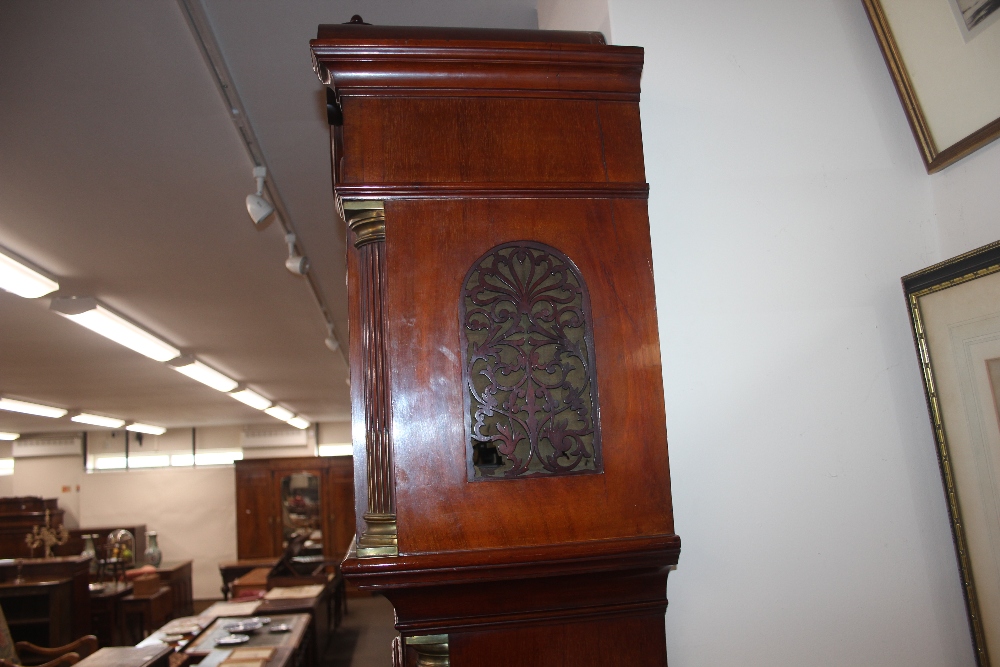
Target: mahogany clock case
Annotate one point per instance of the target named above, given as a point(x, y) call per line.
point(469, 142)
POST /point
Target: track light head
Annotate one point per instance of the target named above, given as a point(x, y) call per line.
point(295, 263)
point(260, 209)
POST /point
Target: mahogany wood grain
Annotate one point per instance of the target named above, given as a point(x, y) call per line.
point(429, 247)
point(473, 139)
point(359, 62)
point(609, 642)
point(255, 514)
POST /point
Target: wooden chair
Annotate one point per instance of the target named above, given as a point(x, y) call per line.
point(26, 653)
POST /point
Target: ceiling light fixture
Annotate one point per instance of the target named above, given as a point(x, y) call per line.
point(145, 428)
point(25, 281)
point(196, 370)
point(97, 420)
point(280, 413)
point(259, 208)
point(251, 398)
point(295, 263)
point(331, 339)
point(9, 436)
point(31, 408)
point(87, 312)
point(298, 422)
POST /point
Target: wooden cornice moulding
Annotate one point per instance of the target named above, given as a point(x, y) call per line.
point(383, 61)
point(390, 191)
point(450, 567)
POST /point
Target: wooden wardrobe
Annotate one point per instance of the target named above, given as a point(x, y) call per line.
point(512, 483)
point(276, 497)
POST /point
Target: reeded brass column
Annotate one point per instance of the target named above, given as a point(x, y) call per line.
point(367, 222)
point(432, 650)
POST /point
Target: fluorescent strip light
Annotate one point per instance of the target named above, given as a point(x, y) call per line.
point(279, 412)
point(31, 408)
point(217, 458)
point(111, 463)
point(97, 420)
point(208, 376)
point(336, 450)
point(6, 466)
point(251, 398)
point(182, 460)
point(18, 278)
point(9, 436)
point(297, 422)
point(146, 428)
point(86, 312)
point(160, 461)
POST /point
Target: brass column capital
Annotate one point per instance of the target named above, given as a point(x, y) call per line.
point(368, 225)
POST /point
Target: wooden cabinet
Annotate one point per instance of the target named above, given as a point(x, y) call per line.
point(18, 516)
point(278, 498)
point(513, 490)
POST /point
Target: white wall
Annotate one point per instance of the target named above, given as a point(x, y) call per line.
point(192, 510)
point(575, 15)
point(967, 202)
point(51, 477)
point(787, 199)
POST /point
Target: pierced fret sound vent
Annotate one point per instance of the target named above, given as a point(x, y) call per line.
point(528, 364)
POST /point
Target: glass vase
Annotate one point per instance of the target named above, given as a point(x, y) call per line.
point(90, 550)
point(152, 554)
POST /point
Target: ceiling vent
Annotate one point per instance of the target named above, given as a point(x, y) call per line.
point(48, 444)
point(273, 436)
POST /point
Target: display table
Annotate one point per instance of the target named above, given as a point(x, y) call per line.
point(318, 608)
point(233, 569)
point(291, 647)
point(129, 656)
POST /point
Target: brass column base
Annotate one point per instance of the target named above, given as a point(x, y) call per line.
point(432, 650)
point(380, 538)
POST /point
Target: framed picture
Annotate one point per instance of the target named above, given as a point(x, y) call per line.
point(955, 312)
point(944, 57)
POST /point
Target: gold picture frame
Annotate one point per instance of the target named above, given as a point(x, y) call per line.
point(955, 313)
point(946, 73)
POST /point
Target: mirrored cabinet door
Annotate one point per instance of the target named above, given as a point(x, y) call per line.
point(301, 512)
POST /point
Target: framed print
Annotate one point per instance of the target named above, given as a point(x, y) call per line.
point(944, 57)
point(955, 312)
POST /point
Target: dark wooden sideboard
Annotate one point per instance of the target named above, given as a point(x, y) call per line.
point(18, 515)
point(269, 505)
point(50, 606)
point(512, 478)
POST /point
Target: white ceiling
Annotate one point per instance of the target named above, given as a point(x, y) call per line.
point(122, 174)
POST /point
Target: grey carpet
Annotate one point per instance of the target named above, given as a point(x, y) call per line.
point(364, 639)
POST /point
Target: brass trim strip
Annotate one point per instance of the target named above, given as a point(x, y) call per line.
point(366, 192)
point(944, 454)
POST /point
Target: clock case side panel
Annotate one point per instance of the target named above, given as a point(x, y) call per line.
point(429, 247)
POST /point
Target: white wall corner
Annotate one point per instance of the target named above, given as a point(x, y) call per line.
point(588, 15)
